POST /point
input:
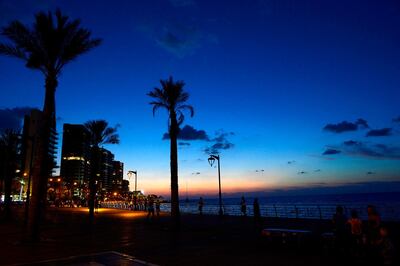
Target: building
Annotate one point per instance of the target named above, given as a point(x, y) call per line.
point(106, 171)
point(30, 138)
point(125, 186)
point(75, 158)
point(118, 176)
point(76, 163)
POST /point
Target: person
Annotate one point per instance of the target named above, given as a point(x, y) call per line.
point(96, 205)
point(356, 232)
point(339, 222)
point(386, 247)
point(201, 204)
point(158, 205)
point(135, 202)
point(374, 221)
point(150, 208)
point(243, 207)
point(257, 213)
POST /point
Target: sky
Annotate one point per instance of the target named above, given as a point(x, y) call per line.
point(291, 94)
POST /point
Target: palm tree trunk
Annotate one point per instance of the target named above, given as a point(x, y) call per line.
point(44, 162)
point(173, 132)
point(92, 182)
point(7, 192)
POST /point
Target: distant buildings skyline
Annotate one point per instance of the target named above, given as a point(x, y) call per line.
point(76, 160)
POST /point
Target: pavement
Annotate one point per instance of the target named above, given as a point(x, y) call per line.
point(123, 237)
point(110, 258)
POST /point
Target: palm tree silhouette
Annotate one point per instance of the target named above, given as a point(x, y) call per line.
point(47, 46)
point(9, 158)
point(99, 134)
point(172, 98)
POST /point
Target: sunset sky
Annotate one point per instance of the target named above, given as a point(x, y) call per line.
point(292, 94)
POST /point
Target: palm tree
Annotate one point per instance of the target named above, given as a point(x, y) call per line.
point(99, 134)
point(52, 42)
point(9, 155)
point(172, 98)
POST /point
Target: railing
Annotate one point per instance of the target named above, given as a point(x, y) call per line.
point(302, 211)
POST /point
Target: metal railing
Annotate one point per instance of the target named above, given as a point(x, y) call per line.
point(300, 211)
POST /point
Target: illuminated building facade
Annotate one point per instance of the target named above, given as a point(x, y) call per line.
point(75, 158)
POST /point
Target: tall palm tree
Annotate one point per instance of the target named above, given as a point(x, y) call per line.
point(99, 134)
point(9, 157)
point(52, 42)
point(172, 98)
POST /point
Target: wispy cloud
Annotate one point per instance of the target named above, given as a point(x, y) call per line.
point(396, 119)
point(331, 152)
point(184, 144)
point(371, 150)
point(221, 142)
point(346, 126)
point(383, 132)
point(189, 133)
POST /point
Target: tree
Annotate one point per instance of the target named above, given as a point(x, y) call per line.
point(172, 98)
point(9, 158)
point(99, 134)
point(52, 42)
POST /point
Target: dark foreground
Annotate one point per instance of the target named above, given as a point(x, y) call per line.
point(203, 240)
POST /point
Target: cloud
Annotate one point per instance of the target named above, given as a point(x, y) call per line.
point(184, 144)
point(178, 35)
point(331, 152)
point(291, 162)
point(383, 132)
point(182, 3)
point(350, 143)
point(221, 142)
point(189, 133)
point(317, 170)
point(371, 150)
point(13, 118)
point(396, 119)
point(180, 40)
point(345, 126)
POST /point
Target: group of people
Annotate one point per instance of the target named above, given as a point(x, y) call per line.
point(369, 239)
point(243, 207)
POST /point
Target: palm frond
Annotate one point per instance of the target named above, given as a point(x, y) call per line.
point(188, 108)
point(100, 133)
point(14, 51)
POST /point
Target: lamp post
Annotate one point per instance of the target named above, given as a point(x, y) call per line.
point(211, 161)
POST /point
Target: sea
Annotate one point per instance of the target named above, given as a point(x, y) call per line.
point(301, 206)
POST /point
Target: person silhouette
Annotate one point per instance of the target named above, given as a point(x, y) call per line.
point(201, 204)
point(243, 207)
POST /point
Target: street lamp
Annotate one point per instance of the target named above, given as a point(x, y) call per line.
point(211, 161)
point(130, 173)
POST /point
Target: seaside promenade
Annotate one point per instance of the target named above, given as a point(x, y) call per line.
point(203, 240)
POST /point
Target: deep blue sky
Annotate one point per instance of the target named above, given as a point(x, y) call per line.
point(265, 78)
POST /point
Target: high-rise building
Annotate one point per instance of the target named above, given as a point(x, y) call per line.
point(75, 158)
point(30, 140)
point(106, 171)
point(76, 163)
point(118, 176)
